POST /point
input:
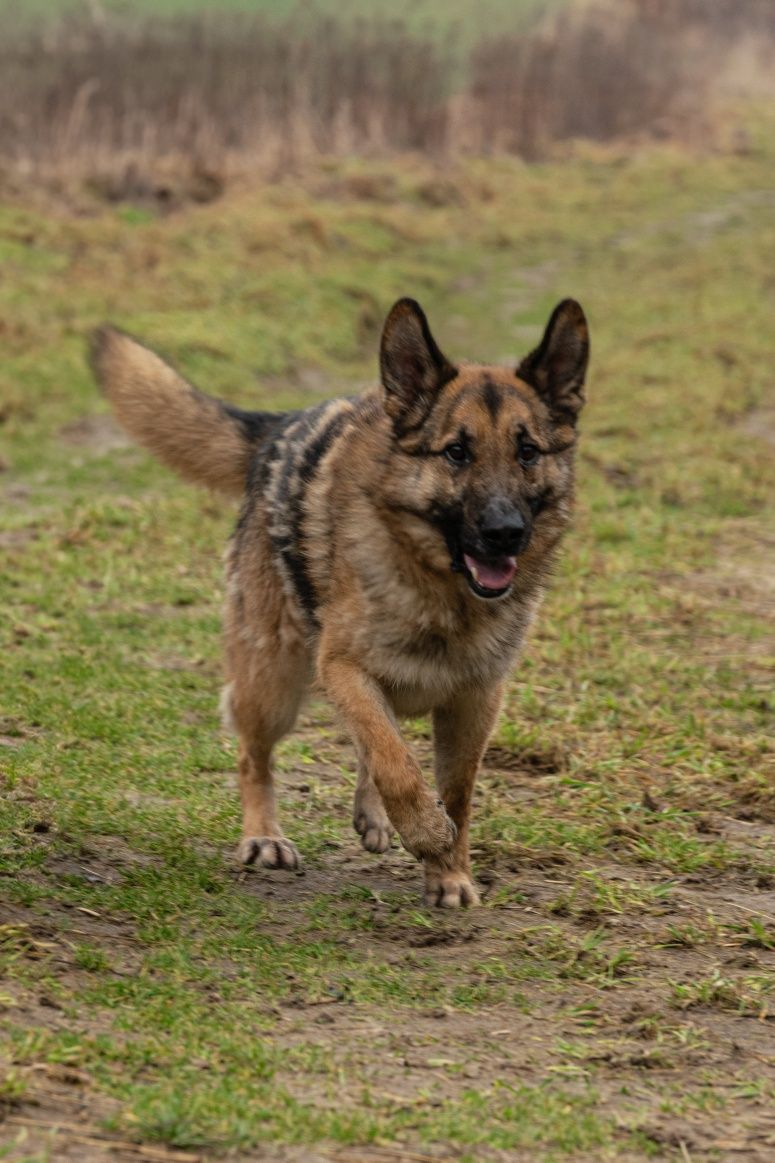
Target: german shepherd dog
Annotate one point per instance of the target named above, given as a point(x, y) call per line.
point(394, 546)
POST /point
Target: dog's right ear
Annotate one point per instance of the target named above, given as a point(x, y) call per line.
point(412, 367)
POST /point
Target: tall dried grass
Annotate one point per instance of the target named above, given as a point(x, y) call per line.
point(120, 100)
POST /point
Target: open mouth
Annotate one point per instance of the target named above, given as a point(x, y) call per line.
point(489, 579)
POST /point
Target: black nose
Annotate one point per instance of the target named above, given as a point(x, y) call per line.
point(503, 532)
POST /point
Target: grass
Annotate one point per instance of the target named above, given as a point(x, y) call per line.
point(454, 17)
point(213, 1011)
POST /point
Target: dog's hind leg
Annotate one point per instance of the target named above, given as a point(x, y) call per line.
point(262, 714)
point(460, 732)
point(270, 671)
point(262, 841)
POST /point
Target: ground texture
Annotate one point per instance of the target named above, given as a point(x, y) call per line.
point(614, 998)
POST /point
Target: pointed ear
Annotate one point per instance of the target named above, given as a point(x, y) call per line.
point(412, 368)
point(557, 367)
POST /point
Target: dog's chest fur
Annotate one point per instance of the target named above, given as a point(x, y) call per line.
point(421, 664)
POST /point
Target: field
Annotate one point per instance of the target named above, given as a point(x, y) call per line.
point(614, 997)
point(165, 104)
point(449, 16)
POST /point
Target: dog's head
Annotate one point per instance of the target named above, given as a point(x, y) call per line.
point(485, 454)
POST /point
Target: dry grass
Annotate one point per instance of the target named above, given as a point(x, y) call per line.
point(123, 101)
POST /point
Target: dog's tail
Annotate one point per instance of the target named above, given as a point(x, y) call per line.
point(203, 439)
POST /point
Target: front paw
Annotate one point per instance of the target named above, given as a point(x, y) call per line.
point(375, 831)
point(269, 852)
point(428, 832)
point(370, 819)
point(447, 889)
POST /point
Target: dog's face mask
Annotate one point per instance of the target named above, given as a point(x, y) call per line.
point(486, 465)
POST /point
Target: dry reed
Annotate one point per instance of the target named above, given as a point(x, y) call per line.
point(120, 101)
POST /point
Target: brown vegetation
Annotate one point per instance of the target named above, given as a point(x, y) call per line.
point(122, 100)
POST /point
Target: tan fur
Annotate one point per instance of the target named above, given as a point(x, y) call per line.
point(142, 387)
point(345, 565)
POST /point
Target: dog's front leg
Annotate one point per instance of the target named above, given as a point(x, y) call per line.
point(370, 819)
point(415, 812)
point(461, 729)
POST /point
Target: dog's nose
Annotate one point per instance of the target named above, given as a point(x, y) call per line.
point(503, 532)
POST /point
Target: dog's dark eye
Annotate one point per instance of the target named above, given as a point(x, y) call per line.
point(528, 453)
point(457, 453)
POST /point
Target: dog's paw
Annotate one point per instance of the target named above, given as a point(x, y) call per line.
point(269, 852)
point(446, 889)
point(429, 832)
point(375, 831)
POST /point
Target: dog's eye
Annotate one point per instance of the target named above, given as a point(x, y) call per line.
point(457, 453)
point(528, 453)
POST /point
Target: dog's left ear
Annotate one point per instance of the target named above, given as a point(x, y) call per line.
point(413, 369)
point(557, 367)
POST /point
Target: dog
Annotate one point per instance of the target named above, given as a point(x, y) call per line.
point(393, 546)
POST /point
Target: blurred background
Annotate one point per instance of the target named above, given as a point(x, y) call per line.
point(174, 99)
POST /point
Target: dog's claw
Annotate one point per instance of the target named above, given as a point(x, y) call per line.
point(269, 852)
point(449, 890)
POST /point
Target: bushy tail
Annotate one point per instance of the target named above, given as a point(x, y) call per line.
point(203, 439)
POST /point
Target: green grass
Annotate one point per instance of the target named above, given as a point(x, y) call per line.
point(451, 18)
point(196, 1000)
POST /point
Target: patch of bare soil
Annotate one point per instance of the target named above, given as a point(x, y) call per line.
point(742, 574)
point(99, 433)
point(17, 538)
point(760, 422)
point(547, 761)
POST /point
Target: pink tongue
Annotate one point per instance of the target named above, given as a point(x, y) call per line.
point(492, 577)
